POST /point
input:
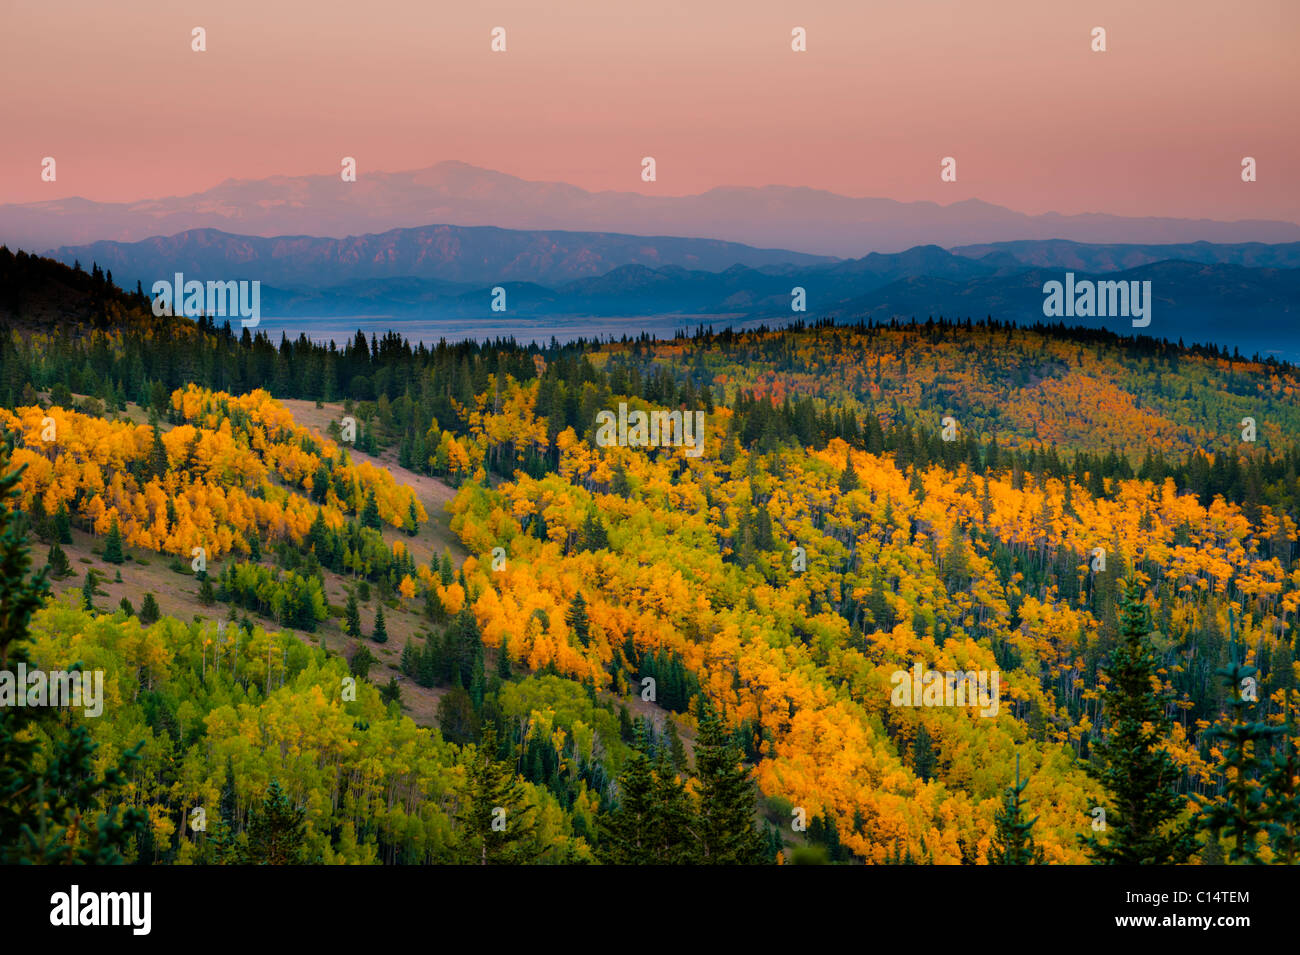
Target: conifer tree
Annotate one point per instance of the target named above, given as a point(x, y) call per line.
point(380, 633)
point(58, 563)
point(593, 535)
point(495, 823)
point(113, 545)
point(503, 659)
point(1282, 795)
point(1242, 812)
point(275, 833)
point(628, 834)
point(149, 612)
point(1013, 838)
point(62, 525)
point(728, 835)
point(352, 617)
point(370, 512)
point(158, 452)
point(89, 590)
point(1144, 827)
point(577, 619)
point(849, 477)
point(923, 758)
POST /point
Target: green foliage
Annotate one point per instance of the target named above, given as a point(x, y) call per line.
point(56, 806)
point(1144, 824)
point(149, 612)
point(496, 824)
point(1013, 838)
point(113, 545)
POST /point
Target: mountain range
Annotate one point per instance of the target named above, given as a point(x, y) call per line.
point(811, 221)
point(1241, 295)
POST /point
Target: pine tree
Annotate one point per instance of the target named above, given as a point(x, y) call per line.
point(380, 633)
point(149, 612)
point(391, 692)
point(58, 563)
point(495, 823)
point(593, 535)
point(352, 617)
point(113, 545)
point(158, 452)
point(503, 659)
point(849, 477)
point(923, 757)
point(361, 661)
point(1141, 779)
point(370, 512)
point(629, 833)
point(228, 804)
point(55, 806)
point(728, 835)
point(62, 525)
point(275, 833)
point(89, 590)
point(1013, 838)
point(577, 619)
point(1281, 799)
point(1242, 811)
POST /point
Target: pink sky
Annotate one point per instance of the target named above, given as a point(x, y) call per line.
point(1155, 126)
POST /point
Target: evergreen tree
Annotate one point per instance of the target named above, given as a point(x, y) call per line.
point(503, 659)
point(89, 590)
point(593, 535)
point(391, 692)
point(57, 562)
point(923, 757)
point(1141, 779)
point(370, 512)
point(158, 452)
point(275, 833)
point(577, 619)
point(1013, 838)
point(1242, 812)
point(629, 833)
point(849, 477)
point(361, 662)
point(352, 617)
point(380, 633)
point(62, 525)
point(728, 835)
point(228, 804)
point(113, 545)
point(149, 612)
point(1281, 799)
point(495, 823)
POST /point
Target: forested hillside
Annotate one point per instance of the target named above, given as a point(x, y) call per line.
point(642, 654)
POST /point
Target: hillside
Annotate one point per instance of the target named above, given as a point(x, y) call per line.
point(954, 498)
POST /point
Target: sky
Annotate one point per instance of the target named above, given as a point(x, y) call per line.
point(1156, 125)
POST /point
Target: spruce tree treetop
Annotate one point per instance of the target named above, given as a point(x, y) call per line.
point(1144, 824)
